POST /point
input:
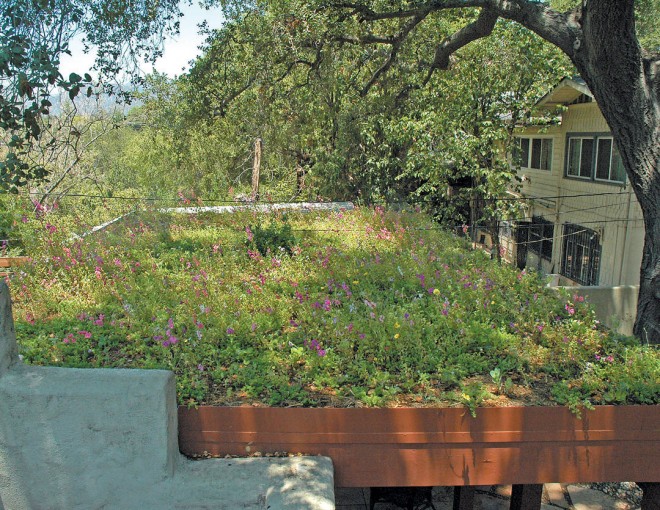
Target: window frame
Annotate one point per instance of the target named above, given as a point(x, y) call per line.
point(583, 245)
point(613, 150)
point(543, 140)
point(541, 237)
point(593, 168)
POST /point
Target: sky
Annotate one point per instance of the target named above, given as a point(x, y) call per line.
point(178, 52)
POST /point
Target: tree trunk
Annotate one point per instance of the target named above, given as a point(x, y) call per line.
point(625, 86)
point(256, 170)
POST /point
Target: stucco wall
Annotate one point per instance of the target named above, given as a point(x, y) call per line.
point(616, 307)
point(108, 438)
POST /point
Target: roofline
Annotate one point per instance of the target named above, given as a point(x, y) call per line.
point(580, 86)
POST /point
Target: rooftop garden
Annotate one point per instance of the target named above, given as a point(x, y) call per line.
point(350, 308)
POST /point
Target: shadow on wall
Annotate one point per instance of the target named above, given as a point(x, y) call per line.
point(616, 307)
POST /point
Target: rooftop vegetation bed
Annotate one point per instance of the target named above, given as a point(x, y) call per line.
point(342, 309)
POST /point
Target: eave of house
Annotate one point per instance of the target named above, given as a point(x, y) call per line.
point(567, 91)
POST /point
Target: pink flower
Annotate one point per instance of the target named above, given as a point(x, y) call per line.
point(85, 334)
point(249, 233)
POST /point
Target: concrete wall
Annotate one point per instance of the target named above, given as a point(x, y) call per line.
point(616, 307)
point(108, 438)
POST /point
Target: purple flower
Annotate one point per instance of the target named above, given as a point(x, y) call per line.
point(230, 331)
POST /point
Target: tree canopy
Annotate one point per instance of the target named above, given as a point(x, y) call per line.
point(34, 34)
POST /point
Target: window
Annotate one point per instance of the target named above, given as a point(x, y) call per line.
point(581, 256)
point(594, 157)
point(541, 233)
point(580, 156)
point(609, 166)
point(535, 153)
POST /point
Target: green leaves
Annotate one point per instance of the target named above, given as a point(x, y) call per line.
point(33, 37)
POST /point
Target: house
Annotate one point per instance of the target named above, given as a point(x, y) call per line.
point(581, 219)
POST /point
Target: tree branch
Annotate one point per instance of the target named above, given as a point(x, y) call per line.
point(481, 27)
point(561, 29)
point(396, 46)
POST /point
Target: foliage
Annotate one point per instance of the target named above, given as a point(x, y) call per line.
point(33, 37)
point(308, 84)
point(368, 308)
point(273, 239)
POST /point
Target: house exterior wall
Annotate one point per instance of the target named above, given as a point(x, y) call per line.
point(608, 208)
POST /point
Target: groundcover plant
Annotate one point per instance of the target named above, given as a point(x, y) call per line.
point(350, 308)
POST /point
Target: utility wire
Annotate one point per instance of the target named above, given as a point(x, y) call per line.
point(213, 200)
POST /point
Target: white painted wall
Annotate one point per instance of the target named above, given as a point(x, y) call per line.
point(621, 241)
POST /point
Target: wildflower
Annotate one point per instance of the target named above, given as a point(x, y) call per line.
point(85, 334)
point(230, 331)
point(397, 325)
point(99, 321)
point(201, 367)
point(436, 291)
point(569, 309)
point(253, 327)
point(396, 336)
